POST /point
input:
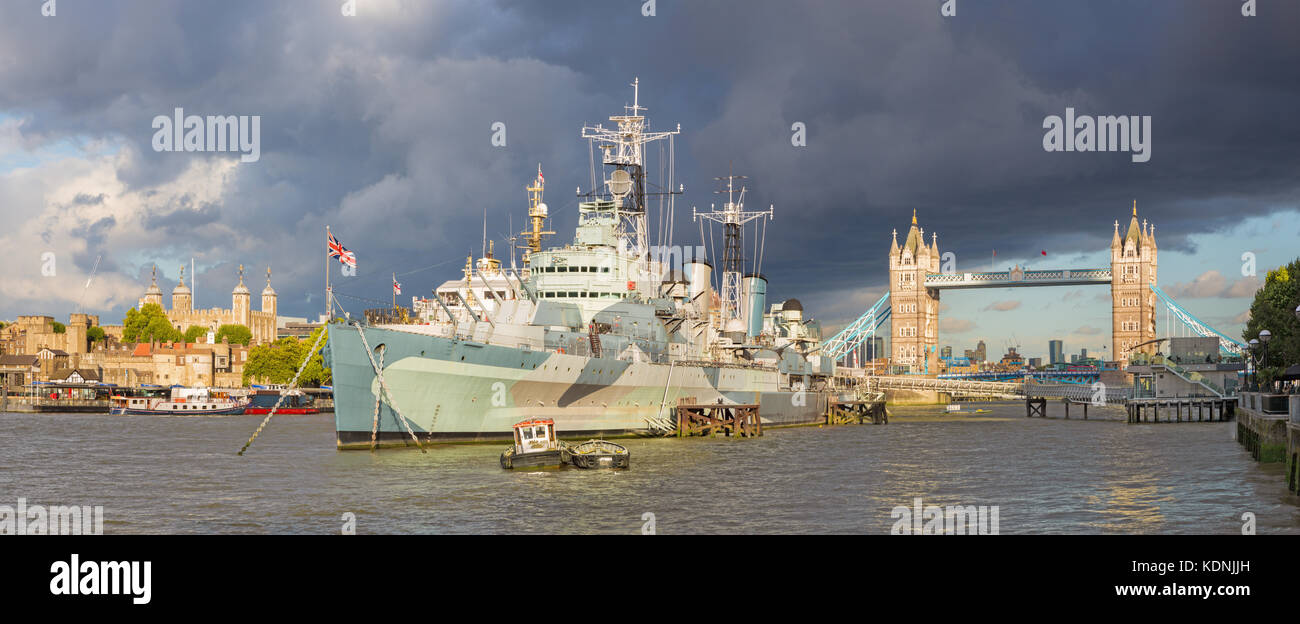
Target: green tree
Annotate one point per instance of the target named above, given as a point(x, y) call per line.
point(237, 334)
point(149, 323)
point(277, 362)
point(60, 328)
point(1274, 309)
point(192, 334)
point(316, 374)
point(96, 334)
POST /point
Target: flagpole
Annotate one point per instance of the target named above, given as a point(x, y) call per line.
point(329, 304)
point(394, 291)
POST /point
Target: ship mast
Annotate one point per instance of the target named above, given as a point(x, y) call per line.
point(732, 217)
point(624, 149)
point(537, 213)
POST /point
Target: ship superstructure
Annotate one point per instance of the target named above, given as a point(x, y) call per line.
point(601, 335)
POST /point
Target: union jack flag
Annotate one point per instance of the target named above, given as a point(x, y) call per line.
point(397, 288)
point(337, 250)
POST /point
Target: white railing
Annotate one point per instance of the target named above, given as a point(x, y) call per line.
point(952, 386)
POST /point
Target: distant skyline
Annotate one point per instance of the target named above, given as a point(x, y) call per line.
point(381, 126)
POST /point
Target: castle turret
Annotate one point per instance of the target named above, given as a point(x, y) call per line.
point(182, 298)
point(75, 332)
point(268, 296)
point(241, 301)
point(154, 294)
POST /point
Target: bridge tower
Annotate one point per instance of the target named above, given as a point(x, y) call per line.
point(914, 308)
point(1133, 304)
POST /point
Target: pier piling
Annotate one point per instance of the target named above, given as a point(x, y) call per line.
point(856, 412)
point(710, 419)
point(1207, 409)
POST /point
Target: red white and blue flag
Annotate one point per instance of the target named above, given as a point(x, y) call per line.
point(337, 250)
point(397, 287)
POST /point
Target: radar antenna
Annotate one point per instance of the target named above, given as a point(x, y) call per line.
point(732, 217)
point(623, 148)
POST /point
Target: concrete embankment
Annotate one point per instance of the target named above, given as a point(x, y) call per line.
point(1268, 426)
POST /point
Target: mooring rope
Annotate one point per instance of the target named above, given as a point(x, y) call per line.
point(283, 393)
point(383, 386)
point(379, 398)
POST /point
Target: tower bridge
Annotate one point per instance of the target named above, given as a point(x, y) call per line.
point(916, 280)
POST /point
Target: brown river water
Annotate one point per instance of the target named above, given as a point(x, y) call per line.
point(182, 475)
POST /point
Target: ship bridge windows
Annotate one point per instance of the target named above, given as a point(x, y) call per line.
point(579, 294)
point(573, 269)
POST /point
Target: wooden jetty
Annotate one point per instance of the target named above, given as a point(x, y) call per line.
point(1197, 409)
point(710, 419)
point(1037, 406)
point(857, 412)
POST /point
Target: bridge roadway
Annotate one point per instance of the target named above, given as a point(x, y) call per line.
point(1018, 277)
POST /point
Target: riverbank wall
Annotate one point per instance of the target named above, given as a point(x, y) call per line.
point(1268, 427)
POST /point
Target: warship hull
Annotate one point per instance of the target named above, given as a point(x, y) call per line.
point(456, 390)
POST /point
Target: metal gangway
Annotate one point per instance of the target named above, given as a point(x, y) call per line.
point(1096, 394)
point(955, 387)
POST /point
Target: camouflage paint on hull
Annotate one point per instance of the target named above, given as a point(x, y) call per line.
point(458, 390)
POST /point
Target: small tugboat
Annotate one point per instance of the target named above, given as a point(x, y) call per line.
point(599, 454)
point(535, 446)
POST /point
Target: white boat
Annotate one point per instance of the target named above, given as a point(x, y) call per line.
point(182, 402)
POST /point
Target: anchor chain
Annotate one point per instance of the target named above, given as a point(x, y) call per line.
point(283, 393)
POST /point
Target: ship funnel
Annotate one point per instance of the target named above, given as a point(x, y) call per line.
point(700, 274)
point(755, 289)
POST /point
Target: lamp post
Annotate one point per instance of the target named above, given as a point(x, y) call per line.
point(1264, 337)
point(1253, 348)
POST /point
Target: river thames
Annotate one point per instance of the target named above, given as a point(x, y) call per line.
point(181, 475)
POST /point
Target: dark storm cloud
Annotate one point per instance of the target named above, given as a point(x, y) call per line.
point(379, 125)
